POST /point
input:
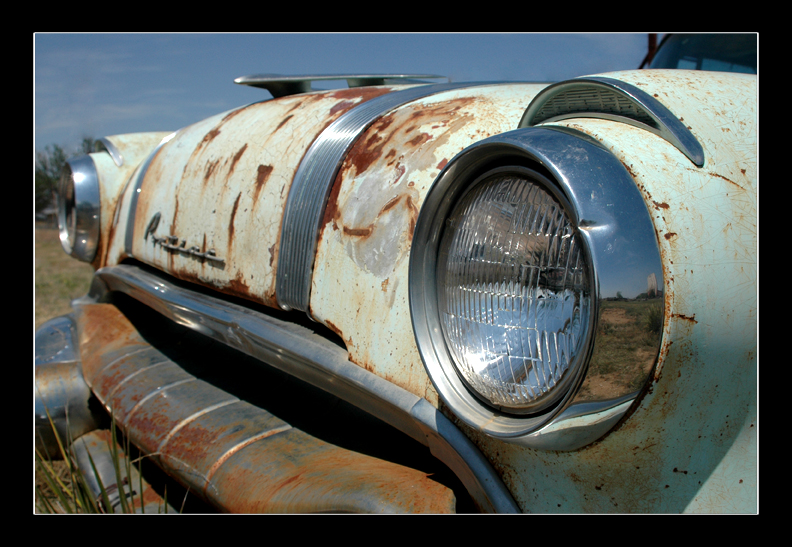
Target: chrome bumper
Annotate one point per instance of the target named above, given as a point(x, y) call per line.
point(238, 456)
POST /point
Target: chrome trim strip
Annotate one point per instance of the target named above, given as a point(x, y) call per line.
point(621, 245)
point(607, 98)
point(104, 145)
point(137, 182)
point(311, 187)
point(298, 351)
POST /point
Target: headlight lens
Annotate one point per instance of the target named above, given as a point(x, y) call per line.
point(513, 291)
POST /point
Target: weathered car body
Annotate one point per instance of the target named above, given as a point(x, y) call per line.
point(335, 204)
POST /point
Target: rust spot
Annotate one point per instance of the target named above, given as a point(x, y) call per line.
point(360, 363)
point(100, 252)
point(413, 215)
point(399, 169)
point(661, 205)
point(384, 285)
point(236, 157)
point(231, 115)
point(286, 119)
point(362, 93)
point(173, 228)
point(329, 324)
point(686, 318)
point(289, 480)
point(262, 175)
point(728, 180)
point(331, 211)
point(418, 140)
point(372, 147)
point(272, 254)
point(362, 157)
point(343, 106)
point(669, 235)
point(629, 169)
point(238, 287)
point(391, 204)
point(210, 167)
point(231, 221)
point(209, 137)
point(442, 163)
point(358, 232)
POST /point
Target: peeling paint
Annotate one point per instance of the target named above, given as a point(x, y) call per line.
point(242, 162)
point(371, 214)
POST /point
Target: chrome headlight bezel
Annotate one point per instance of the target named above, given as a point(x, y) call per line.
point(79, 205)
point(618, 239)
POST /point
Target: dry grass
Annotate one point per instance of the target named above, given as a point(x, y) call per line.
point(59, 278)
point(627, 345)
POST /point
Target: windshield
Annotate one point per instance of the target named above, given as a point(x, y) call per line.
point(720, 52)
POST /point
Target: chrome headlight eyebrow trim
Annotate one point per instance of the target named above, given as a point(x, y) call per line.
point(620, 241)
point(137, 181)
point(106, 145)
point(607, 98)
point(79, 205)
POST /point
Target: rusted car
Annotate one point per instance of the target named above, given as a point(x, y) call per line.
point(419, 297)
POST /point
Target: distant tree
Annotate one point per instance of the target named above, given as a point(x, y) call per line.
point(49, 165)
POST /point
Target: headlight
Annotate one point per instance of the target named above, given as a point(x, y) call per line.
point(514, 296)
point(78, 208)
point(522, 241)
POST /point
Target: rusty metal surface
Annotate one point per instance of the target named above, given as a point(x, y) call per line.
point(299, 352)
point(238, 456)
point(691, 445)
point(222, 184)
point(359, 286)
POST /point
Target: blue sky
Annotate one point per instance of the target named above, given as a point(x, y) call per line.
point(105, 84)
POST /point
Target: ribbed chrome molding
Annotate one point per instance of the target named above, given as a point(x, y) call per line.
point(607, 98)
point(296, 350)
point(311, 188)
point(137, 181)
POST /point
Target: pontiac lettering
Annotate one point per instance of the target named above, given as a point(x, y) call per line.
point(173, 244)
